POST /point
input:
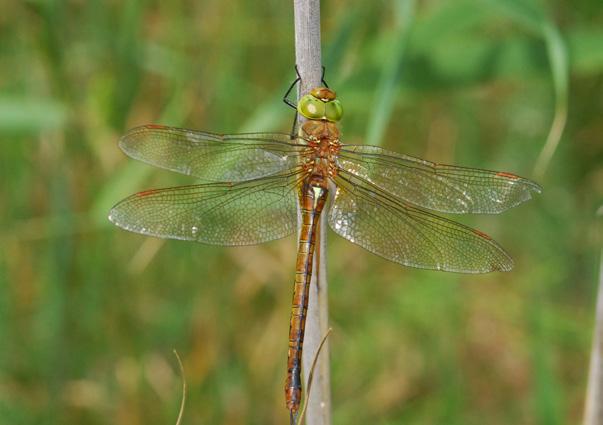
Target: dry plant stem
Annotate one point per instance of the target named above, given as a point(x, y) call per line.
point(593, 412)
point(308, 61)
point(552, 141)
point(312, 370)
point(183, 401)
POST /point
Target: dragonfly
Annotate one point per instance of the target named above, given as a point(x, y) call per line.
point(254, 186)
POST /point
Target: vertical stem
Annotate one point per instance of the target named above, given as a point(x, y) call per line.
point(307, 43)
point(308, 61)
point(593, 412)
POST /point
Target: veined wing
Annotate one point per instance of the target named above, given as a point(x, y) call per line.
point(410, 236)
point(212, 157)
point(439, 187)
point(231, 214)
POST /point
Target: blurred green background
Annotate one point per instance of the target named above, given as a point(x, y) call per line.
point(89, 314)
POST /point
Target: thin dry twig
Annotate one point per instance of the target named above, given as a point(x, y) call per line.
point(182, 403)
point(309, 66)
point(593, 409)
point(311, 374)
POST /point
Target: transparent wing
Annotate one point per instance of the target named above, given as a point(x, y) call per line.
point(243, 213)
point(438, 187)
point(212, 157)
point(407, 235)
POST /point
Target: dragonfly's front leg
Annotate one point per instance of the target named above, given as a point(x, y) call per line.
point(293, 104)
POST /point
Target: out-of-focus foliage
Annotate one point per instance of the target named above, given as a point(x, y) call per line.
point(89, 314)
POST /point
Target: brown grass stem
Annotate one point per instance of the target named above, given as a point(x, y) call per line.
point(309, 66)
point(593, 410)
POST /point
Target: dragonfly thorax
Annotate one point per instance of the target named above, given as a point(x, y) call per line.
point(323, 139)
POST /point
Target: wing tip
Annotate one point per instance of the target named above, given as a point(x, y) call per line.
point(535, 187)
point(127, 138)
point(114, 217)
point(523, 191)
point(503, 267)
point(526, 184)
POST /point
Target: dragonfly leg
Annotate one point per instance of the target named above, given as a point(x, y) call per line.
point(289, 102)
point(286, 99)
point(292, 104)
point(322, 78)
point(294, 126)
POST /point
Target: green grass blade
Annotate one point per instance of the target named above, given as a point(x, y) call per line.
point(386, 92)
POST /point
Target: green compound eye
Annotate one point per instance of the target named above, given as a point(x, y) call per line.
point(334, 110)
point(311, 107)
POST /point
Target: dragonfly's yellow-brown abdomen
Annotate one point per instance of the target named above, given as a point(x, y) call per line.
point(313, 196)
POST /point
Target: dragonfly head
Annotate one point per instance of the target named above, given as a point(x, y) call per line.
point(320, 104)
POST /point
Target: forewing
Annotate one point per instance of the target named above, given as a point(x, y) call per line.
point(243, 213)
point(438, 187)
point(212, 157)
point(410, 236)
